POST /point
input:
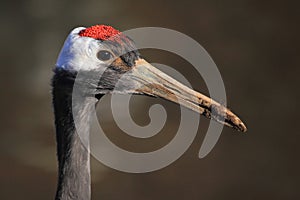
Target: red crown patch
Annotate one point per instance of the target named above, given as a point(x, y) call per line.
point(99, 32)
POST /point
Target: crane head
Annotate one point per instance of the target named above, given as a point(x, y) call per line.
point(106, 51)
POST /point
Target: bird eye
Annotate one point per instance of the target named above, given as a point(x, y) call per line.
point(104, 55)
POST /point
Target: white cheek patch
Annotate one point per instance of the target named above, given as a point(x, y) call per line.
point(78, 53)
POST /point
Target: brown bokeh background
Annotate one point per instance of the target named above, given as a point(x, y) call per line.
point(255, 45)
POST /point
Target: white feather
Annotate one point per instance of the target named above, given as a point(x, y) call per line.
point(79, 53)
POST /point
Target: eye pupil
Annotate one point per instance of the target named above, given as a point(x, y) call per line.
point(104, 55)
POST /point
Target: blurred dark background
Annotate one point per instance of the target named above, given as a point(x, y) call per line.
point(255, 45)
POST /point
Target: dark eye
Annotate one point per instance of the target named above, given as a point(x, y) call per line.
point(104, 55)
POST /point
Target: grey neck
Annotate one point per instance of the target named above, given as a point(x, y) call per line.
point(74, 180)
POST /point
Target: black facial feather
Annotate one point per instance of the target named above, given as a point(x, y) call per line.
point(123, 46)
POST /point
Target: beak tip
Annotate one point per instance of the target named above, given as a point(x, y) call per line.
point(243, 127)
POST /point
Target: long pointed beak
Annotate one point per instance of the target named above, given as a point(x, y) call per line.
point(153, 82)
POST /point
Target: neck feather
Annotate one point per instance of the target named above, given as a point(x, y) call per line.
point(73, 156)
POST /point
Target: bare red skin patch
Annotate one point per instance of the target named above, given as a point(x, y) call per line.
point(99, 32)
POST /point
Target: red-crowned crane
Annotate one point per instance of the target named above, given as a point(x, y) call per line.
point(97, 49)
